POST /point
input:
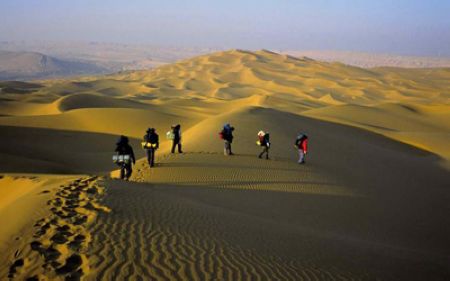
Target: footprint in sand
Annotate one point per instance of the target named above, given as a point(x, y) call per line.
point(61, 238)
point(13, 269)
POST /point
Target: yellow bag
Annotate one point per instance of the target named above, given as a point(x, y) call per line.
point(147, 145)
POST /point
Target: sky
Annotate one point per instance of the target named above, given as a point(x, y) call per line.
point(404, 27)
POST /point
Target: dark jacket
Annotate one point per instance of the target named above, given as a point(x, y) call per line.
point(176, 133)
point(153, 138)
point(227, 133)
point(123, 148)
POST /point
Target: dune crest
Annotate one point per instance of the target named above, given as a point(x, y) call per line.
point(363, 207)
point(224, 81)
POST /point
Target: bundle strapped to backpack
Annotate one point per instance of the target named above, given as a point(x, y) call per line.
point(148, 145)
point(263, 139)
point(119, 159)
point(170, 135)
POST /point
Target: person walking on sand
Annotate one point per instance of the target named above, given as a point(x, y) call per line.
point(151, 144)
point(264, 142)
point(125, 157)
point(175, 135)
point(227, 135)
point(301, 143)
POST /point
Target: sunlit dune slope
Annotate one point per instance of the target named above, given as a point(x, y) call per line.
point(410, 105)
point(424, 126)
point(363, 207)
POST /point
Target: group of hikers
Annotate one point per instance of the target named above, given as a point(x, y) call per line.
point(125, 155)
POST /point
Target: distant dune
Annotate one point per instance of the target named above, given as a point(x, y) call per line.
point(369, 60)
point(371, 203)
point(28, 65)
point(110, 56)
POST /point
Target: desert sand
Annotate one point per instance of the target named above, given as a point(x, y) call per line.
point(370, 204)
point(370, 60)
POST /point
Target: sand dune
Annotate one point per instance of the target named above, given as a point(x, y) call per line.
point(361, 59)
point(34, 150)
point(31, 65)
point(424, 126)
point(371, 203)
point(55, 242)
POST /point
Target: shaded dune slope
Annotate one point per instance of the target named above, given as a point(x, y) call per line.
point(37, 150)
point(365, 207)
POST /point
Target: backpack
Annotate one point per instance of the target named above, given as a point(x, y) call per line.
point(300, 139)
point(152, 138)
point(170, 135)
point(262, 138)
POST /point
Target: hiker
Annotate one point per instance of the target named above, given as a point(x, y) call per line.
point(151, 144)
point(175, 136)
point(227, 135)
point(264, 142)
point(301, 143)
point(124, 157)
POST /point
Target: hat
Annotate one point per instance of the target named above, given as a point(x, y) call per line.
point(122, 140)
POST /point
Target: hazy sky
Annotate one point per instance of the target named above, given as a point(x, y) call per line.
point(409, 27)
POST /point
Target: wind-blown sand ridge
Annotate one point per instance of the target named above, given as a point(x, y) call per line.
point(371, 202)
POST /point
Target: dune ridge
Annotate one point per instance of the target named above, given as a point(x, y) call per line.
point(363, 207)
point(221, 82)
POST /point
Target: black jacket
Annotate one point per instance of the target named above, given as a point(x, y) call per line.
point(152, 138)
point(177, 133)
point(125, 149)
point(227, 134)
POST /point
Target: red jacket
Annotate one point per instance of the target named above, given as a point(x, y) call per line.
point(302, 144)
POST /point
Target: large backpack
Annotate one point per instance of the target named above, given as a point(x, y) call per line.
point(152, 138)
point(170, 135)
point(261, 138)
point(300, 139)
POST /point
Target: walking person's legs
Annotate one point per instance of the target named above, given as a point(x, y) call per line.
point(122, 172)
point(174, 144)
point(265, 151)
point(179, 148)
point(149, 157)
point(226, 149)
point(152, 157)
point(301, 154)
point(262, 152)
point(129, 171)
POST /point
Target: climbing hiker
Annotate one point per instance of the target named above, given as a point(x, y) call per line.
point(264, 142)
point(301, 143)
point(124, 157)
point(227, 135)
point(175, 135)
point(151, 144)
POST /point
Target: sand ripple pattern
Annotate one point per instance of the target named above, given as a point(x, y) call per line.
point(154, 234)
